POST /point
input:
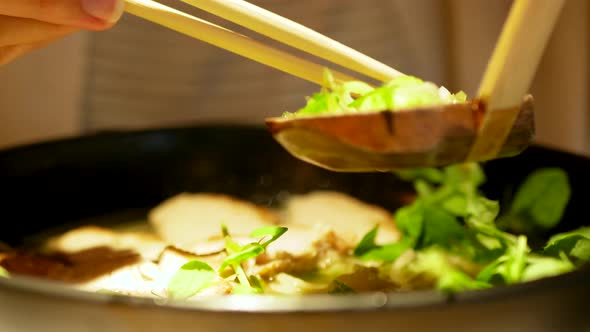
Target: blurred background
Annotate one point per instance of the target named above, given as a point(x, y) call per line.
point(140, 75)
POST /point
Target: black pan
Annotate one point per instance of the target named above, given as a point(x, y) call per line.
point(115, 177)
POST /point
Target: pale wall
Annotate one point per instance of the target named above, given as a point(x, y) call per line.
point(40, 94)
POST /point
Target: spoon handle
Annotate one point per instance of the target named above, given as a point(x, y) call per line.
point(511, 70)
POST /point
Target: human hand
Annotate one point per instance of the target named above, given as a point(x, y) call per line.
point(26, 25)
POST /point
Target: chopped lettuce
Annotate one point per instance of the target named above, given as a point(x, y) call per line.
point(354, 96)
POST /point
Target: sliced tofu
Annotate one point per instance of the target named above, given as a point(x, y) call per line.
point(149, 246)
point(350, 218)
point(187, 219)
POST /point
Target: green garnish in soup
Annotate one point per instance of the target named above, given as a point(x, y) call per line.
point(449, 237)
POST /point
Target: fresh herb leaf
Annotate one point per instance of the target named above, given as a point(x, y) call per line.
point(574, 244)
point(224, 230)
point(4, 273)
point(432, 175)
point(237, 254)
point(440, 228)
point(481, 211)
point(510, 267)
point(543, 267)
point(250, 250)
point(451, 214)
point(257, 284)
point(389, 252)
point(424, 225)
point(434, 261)
point(231, 246)
point(273, 231)
point(542, 197)
point(192, 277)
point(367, 243)
point(467, 176)
point(454, 281)
point(410, 221)
point(254, 286)
point(481, 215)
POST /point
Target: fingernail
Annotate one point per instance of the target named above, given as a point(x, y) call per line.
point(108, 10)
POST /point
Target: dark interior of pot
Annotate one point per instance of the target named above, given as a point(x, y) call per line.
point(122, 174)
point(116, 177)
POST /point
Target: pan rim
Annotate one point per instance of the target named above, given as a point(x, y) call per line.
point(310, 304)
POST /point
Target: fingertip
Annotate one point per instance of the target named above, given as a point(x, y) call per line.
point(109, 11)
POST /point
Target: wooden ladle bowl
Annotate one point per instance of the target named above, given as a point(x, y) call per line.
point(389, 140)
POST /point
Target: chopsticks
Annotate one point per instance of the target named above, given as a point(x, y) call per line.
point(271, 25)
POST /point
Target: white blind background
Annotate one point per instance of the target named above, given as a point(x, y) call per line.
point(143, 75)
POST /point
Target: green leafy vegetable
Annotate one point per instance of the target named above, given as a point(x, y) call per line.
point(410, 221)
point(250, 250)
point(435, 262)
point(574, 244)
point(367, 243)
point(440, 228)
point(452, 217)
point(355, 96)
point(4, 273)
point(192, 277)
point(389, 252)
point(238, 254)
point(542, 267)
point(541, 199)
point(273, 231)
point(254, 287)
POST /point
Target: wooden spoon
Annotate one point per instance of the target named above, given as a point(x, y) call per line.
point(499, 123)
